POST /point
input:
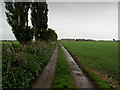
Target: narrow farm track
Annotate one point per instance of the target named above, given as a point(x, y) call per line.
point(81, 81)
point(46, 77)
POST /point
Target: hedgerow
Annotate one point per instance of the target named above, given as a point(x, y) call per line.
point(22, 63)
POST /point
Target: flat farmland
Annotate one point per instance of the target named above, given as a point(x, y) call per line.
point(100, 57)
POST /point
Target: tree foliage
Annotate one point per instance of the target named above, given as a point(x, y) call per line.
point(51, 35)
point(17, 17)
point(39, 19)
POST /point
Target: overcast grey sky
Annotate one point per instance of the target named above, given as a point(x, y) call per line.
point(90, 20)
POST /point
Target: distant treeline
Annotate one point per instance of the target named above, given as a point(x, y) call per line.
point(86, 40)
point(77, 39)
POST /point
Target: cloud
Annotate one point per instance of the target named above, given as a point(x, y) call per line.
point(88, 20)
point(76, 20)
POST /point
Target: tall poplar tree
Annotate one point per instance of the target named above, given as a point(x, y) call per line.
point(17, 17)
point(39, 11)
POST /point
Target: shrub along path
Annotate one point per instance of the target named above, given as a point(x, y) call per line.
point(46, 77)
point(80, 80)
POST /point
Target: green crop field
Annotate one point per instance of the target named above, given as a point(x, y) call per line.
point(100, 57)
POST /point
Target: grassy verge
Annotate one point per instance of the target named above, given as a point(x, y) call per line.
point(96, 80)
point(99, 60)
point(63, 78)
point(21, 64)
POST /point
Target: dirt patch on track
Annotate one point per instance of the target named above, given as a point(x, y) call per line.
point(46, 77)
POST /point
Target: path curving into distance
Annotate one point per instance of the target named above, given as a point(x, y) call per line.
point(81, 81)
point(46, 77)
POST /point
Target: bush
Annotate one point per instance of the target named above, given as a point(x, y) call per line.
point(22, 63)
point(50, 35)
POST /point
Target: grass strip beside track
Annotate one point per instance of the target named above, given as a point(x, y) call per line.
point(63, 78)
